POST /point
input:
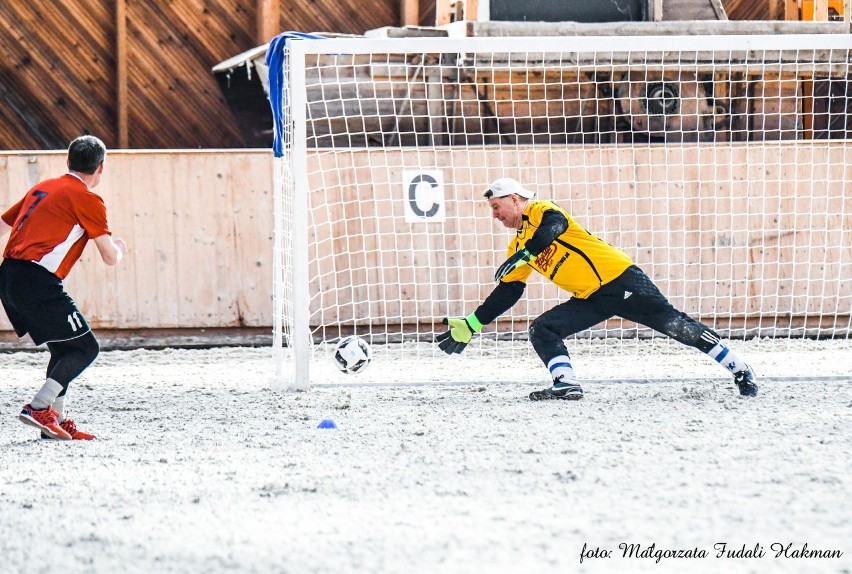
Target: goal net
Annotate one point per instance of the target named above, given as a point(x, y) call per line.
point(718, 163)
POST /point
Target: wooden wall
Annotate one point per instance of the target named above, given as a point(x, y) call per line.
point(60, 61)
point(754, 9)
point(745, 231)
point(199, 228)
point(59, 66)
point(766, 227)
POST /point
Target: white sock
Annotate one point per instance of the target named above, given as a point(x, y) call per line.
point(727, 358)
point(561, 370)
point(46, 396)
point(59, 407)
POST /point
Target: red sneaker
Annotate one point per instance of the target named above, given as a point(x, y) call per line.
point(70, 427)
point(44, 420)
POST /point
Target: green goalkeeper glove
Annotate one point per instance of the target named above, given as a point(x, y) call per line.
point(460, 333)
point(521, 257)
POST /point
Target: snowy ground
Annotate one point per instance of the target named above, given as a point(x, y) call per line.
point(200, 466)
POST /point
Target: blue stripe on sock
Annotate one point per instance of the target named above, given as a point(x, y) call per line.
point(557, 365)
point(721, 356)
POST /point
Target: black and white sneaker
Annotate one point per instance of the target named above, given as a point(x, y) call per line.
point(745, 382)
point(564, 391)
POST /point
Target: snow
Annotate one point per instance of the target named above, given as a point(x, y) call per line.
point(201, 466)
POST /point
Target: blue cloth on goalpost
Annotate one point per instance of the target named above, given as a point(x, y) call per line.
point(275, 62)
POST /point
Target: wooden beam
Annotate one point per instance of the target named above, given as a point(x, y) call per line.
point(778, 9)
point(471, 10)
point(847, 11)
point(268, 20)
point(443, 12)
point(409, 12)
point(821, 10)
point(657, 6)
point(121, 73)
point(447, 11)
point(791, 10)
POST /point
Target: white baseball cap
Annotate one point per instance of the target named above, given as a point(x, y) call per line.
point(507, 186)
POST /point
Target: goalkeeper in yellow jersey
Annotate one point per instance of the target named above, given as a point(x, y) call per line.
point(603, 282)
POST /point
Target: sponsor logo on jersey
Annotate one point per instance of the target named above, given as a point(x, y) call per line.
point(545, 258)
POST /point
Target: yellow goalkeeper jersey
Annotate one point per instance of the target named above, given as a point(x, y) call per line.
point(576, 261)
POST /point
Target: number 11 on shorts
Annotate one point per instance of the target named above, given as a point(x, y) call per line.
point(74, 321)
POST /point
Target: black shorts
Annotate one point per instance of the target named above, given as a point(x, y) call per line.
point(36, 303)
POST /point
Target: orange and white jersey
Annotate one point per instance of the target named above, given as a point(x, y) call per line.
point(576, 261)
point(53, 222)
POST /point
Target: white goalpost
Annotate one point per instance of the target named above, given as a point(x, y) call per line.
point(718, 163)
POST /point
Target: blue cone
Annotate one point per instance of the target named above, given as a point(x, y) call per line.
point(327, 424)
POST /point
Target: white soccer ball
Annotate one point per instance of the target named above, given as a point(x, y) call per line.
point(352, 354)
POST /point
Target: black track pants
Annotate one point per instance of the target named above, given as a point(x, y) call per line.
point(632, 296)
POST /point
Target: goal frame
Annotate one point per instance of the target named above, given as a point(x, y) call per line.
point(297, 50)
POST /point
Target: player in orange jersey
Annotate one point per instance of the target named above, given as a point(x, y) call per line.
point(50, 227)
point(603, 282)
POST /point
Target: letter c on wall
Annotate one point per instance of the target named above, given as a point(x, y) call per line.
point(424, 196)
point(412, 195)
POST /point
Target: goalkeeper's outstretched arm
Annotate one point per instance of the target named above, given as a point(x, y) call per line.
point(461, 331)
point(502, 298)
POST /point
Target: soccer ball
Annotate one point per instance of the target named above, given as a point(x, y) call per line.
point(352, 354)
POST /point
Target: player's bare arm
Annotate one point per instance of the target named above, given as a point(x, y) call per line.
point(112, 250)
